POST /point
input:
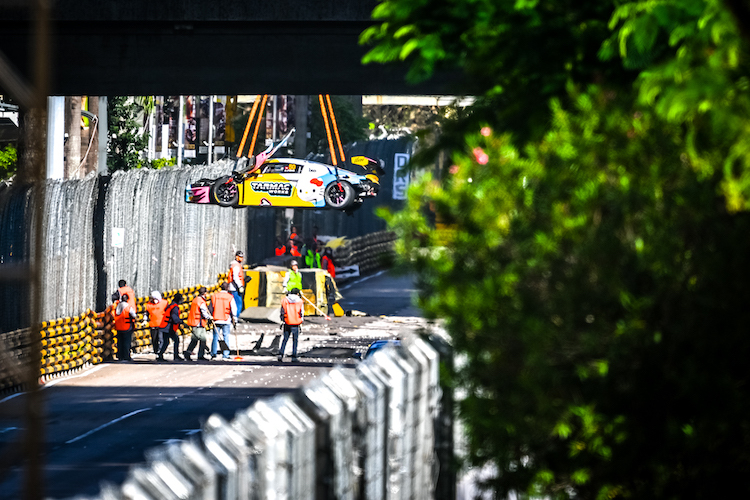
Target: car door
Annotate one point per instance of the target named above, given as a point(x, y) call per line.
point(274, 186)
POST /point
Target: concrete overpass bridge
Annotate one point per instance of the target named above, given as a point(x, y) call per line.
point(158, 47)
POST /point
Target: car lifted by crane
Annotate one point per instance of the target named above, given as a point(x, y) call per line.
point(263, 181)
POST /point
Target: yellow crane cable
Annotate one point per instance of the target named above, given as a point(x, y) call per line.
point(335, 127)
point(247, 127)
point(328, 129)
point(257, 125)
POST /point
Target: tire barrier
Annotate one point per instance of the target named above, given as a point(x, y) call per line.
point(369, 252)
point(71, 343)
point(14, 351)
point(352, 434)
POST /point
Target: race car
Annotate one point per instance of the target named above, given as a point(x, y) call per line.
point(292, 183)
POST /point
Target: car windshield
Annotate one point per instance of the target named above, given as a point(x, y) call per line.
point(282, 168)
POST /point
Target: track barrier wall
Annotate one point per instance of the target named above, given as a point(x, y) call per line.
point(352, 434)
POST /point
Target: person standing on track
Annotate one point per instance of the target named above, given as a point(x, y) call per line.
point(236, 278)
point(155, 308)
point(327, 262)
point(123, 289)
point(225, 314)
point(124, 324)
point(169, 327)
point(293, 278)
point(292, 314)
point(198, 319)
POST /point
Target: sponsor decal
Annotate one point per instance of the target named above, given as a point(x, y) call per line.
point(272, 188)
point(317, 182)
point(265, 203)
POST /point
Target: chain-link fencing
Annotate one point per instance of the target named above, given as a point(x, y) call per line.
point(133, 225)
point(154, 241)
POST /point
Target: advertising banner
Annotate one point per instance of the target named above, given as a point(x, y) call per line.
point(400, 176)
point(191, 128)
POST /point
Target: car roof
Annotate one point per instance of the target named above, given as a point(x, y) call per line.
point(300, 161)
point(297, 161)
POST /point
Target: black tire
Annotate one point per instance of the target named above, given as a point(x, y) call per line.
point(339, 195)
point(225, 192)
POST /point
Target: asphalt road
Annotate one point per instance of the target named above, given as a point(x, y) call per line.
point(102, 420)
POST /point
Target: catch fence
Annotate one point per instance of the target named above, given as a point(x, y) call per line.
point(133, 225)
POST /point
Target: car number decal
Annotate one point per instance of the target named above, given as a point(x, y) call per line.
point(272, 188)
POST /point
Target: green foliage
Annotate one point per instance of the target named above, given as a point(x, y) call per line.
point(8, 161)
point(701, 85)
point(585, 280)
point(514, 54)
point(352, 127)
point(158, 163)
point(591, 246)
point(126, 140)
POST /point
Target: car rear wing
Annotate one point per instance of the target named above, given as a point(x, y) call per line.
point(370, 165)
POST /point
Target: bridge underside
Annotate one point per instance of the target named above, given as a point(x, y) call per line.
point(211, 57)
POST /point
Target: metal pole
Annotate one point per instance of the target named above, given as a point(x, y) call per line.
point(101, 167)
point(210, 129)
point(55, 137)
point(34, 438)
point(275, 112)
point(180, 131)
point(152, 133)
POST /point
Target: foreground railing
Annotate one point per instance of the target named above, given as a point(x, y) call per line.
point(361, 433)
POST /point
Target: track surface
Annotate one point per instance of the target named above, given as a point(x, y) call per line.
point(102, 420)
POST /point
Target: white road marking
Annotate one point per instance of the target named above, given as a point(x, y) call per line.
point(136, 412)
point(361, 280)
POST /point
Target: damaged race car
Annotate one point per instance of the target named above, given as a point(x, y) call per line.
point(292, 183)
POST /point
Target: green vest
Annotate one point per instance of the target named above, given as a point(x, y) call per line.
point(312, 259)
point(295, 280)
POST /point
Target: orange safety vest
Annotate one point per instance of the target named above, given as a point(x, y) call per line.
point(123, 321)
point(194, 316)
point(156, 313)
point(327, 264)
point(131, 294)
point(222, 301)
point(292, 311)
point(280, 250)
point(167, 316)
point(242, 273)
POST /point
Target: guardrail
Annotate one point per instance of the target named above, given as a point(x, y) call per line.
point(362, 433)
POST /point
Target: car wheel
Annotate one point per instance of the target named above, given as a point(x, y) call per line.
point(224, 192)
point(339, 194)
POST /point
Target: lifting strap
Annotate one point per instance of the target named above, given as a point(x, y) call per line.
point(249, 123)
point(257, 125)
point(335, 127)
point(328, 130)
